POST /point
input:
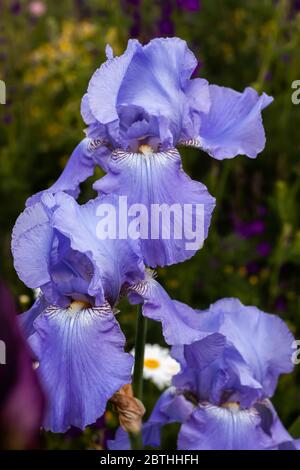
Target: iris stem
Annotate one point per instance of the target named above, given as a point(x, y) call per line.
point(139, 351)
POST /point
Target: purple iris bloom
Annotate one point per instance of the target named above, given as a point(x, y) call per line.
point(221, 396)
point(71, 328)
point(56, 248)
point(138, 108)
point(81, 277)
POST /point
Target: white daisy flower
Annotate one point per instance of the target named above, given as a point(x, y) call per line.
point(159, 366)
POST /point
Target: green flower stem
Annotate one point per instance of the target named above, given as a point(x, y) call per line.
point(139, 350)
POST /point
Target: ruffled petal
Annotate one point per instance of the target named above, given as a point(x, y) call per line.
point(80, 166)
point(170, 408)
point(271, 424)
point(27, 319)
point(154, 79)
point(104, 86)
point(161, 187)
point(233, 125)
point(82, 363)
point(32, 238)
point(223, 428)
point(215, 372)
point(121, 441)
point(115, 261)
point(180, 323)
point(248, 330)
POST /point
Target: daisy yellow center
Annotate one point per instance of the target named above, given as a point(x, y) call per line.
point(151, 363)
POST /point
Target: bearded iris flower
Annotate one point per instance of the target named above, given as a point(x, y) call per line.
point(71, 327)
point(141, 106)
point(221, 396)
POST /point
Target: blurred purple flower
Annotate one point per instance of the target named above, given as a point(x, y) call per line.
point(15, 8)
point(280, 304)
point(249, 229)
point(261, 211)
point(264, 249)
point(165, 24)
point(132, 8)
point(296, 5)
point(21, 397)
point(268, 76)
point(190, 5)
point(252, 268)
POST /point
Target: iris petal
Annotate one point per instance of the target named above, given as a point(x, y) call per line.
point(157, 181)
point(82, 363)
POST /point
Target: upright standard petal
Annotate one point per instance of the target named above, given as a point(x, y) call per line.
point(154, 79)
point(104, 86)
point(170, 211)
point(115, 261)
point(263, 340)
point(233, 125)
point(82, 363)
point(56, 247)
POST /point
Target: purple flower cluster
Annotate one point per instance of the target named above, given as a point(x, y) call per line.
point(138, 109)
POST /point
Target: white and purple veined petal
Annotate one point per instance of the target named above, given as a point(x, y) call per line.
point(82, 363)
point(173, 211)
point(233, 126)
point(231, 428)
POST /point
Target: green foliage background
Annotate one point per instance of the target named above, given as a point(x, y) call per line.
point(46, 63)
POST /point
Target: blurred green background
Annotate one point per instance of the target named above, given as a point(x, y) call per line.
point(48, 51)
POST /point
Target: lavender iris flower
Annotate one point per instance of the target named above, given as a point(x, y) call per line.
point(138, 108)
point(221, 396)
point(71, 327)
